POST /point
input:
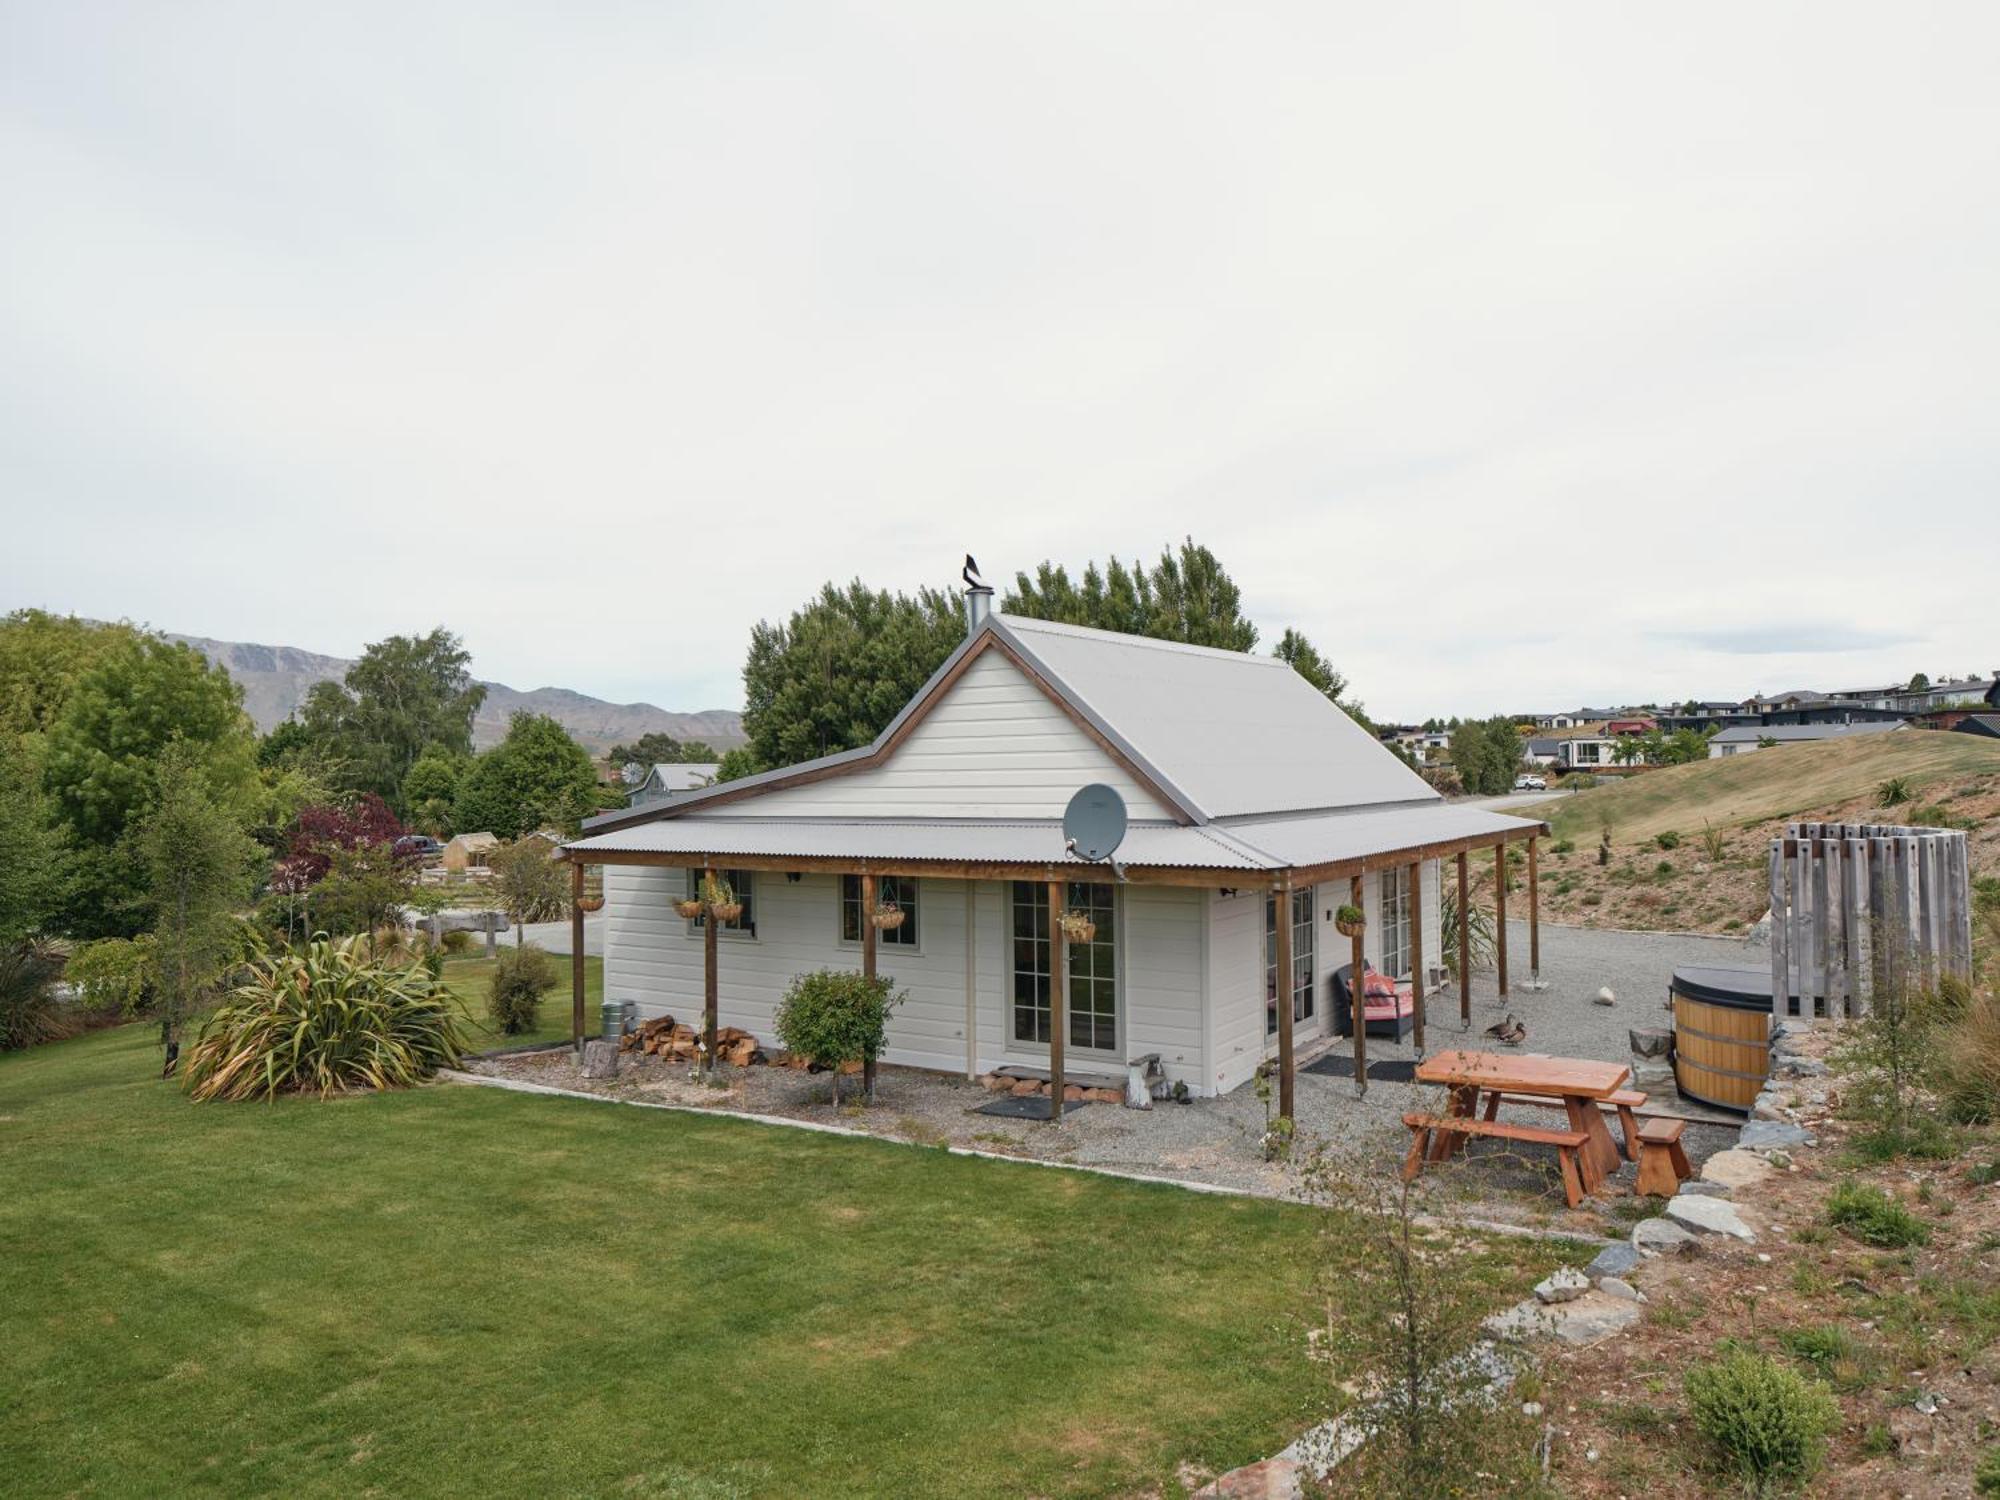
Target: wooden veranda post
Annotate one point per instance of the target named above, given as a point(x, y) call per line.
point(1534, 916)
point(1357, 994)
point(576, 955)
point(1500, 913)
point(1464, 945)
point(868, 971)
point(1058, 993)
point(1282, 899)
point(710, 1005)
point(1417, 952)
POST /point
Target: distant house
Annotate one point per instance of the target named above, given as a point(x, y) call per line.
point(1423, 745)
point(1586, 752)
point(1542, 752)
point(469, 851)
point(1986, 724)
point(1747, 737)
point(671, 779)
point(1616, 727)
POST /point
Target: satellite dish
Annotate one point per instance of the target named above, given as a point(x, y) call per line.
point(1094, 823)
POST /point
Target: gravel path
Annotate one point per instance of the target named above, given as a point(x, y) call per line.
point(1216, 1140)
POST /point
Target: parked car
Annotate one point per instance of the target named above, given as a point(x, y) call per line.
point(419, 846)
point(1530, 784)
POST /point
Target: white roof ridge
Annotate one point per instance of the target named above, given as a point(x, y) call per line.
point(1125, 638)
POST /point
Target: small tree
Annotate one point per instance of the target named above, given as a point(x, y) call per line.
point(197, 859)
point(529, 885)
point(521, 976)
point(836, 1017)
point(363, 889)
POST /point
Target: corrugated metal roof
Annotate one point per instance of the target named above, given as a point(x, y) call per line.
point(1257, 845)
point(1236, 734)
point(1749, 734)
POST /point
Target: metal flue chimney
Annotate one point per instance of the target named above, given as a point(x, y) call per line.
point(978, 596)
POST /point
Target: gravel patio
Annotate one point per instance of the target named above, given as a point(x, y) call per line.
point(1216, 1141)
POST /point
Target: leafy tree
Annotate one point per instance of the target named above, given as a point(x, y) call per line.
point(320, 832)
point(529, 885)
point(284, 742)
point(102, 767)
point(365, 887)
point(1919, 682)
point(538, 775)
point(1305, 659)
point(431, 787)
point(1185, 596)
point(34, 873)
point(736, 764)
point(404, 695)
point(197, 861)
point(834, 674)
point(661, 749)
point(1486, 753)
point(42, 657)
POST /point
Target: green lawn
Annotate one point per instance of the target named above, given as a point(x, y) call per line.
point(460, 1291)
point(468, 979)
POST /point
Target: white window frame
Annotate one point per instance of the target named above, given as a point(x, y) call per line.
point(1392, 893)
point(1305, 961)
point(744, 884)
point(909, 895)
point(1018, 1046)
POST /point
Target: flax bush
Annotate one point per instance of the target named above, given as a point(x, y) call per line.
point(1770, 1422)
point(322, 1018)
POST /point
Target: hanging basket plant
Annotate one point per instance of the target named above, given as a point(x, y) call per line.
point(720, 899)
point(888, 916)
point(590, 903)
point(1077, 927)
point(1350, 921)
point(690, 908)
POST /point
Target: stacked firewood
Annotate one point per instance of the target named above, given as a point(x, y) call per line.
point(665, 1038)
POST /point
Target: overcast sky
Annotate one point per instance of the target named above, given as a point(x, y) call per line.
point(1522, 356)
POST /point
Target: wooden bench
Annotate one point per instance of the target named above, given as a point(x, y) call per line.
point(1566, 1142)
point(1625, 1101)
point(1663, 1164)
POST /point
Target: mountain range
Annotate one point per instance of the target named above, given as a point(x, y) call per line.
point(276, 679)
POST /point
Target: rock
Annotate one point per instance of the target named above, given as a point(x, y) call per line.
point(1271, 1479)
point(1604, 997)
point(1585, 1320)
point(600, 1058)
point(1710, 1216)
point(996, 1083)
point(1659, 1237)
point(1566, 1285)
point(1648, 1076)
point(1618, 1286)
point(1651, 1041)
point(1773, 1135)
point(1613, 1260)
point(1736, 1168)
point(1801, 1067)
point(1072, 1093)
point(1105, 1096)
point(1768, 1106)
point(1704, 1189)
point(1023, 1087)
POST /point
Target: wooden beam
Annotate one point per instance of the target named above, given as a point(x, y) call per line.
point(1464, 946)
point(1282, 906)
point(1058, 994)
point(868, 971)
point(576, 955)
point(1417, 952)
point(711, 1006)
point(1500, 914)
point(1357, 989)
point(1534, 914)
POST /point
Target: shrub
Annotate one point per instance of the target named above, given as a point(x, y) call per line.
point(1822, 1347)
point(1664, 869)
point(836, 1016)
point(1894, 792)
point(323, 1018)
point(1986, 1479)
point(1712, 843)
point(117, 975)
point(1770, 1422)
point(1563, 846)
point(30, 1013)
point(1874, 1218)
point(521, 976)
point(456, 941)
point(1667, 839)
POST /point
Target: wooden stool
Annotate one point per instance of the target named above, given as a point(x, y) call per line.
point(1663, 1165)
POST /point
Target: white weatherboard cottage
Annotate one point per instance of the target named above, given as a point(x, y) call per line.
point(1248, 792)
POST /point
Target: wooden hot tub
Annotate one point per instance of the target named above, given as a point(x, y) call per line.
point(1722, 1034)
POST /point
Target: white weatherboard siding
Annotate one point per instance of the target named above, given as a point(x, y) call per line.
point(1235, 987)
point(654, 957)
point(995, 746)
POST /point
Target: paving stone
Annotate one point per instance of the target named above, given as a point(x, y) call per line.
point(1710, 1216)
point(1613, 1260)
point(1736, 1168)
point(1659, 1237)
point(1565, 1285)
point(1772, 1135)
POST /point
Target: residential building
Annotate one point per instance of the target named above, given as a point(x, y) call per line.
point(1744, 738)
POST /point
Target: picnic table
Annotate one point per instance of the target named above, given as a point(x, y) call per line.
point(1577, 1085)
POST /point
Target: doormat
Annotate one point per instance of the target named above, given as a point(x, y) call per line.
point(1026, 1107)
point(1341, 1065)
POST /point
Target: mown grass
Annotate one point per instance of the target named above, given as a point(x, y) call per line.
point(468, 979)
point(456, 1291)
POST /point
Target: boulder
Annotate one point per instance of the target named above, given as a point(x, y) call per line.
point(1566, 1285)
point(1649, 1076)
point(1583, 1320)
point(1710, 1216)
point(600, 1058)
point(1612, 1260)
point(1736, 1168)
point(1650, 1041)
point(1773, 1135)
point(1617, 1286)
point(1660, 1237)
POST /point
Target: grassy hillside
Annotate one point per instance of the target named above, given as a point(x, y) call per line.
point(1690, 844)
point(1788, 781)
